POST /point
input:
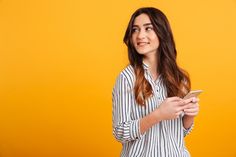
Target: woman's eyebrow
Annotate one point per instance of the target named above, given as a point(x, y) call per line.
point(145, 24)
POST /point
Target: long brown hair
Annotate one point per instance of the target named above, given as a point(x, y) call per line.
point(175, 79)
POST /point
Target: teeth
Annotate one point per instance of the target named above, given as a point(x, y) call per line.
point(142, 43)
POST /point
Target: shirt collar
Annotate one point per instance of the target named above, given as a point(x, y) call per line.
point(145, 66)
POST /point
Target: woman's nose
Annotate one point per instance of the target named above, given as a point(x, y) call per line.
point(141, 34)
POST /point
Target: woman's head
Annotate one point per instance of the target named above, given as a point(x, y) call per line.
point(161, 27)
point(149, 32)
point(144, 39)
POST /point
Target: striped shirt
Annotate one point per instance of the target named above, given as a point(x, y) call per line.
point(164, 139)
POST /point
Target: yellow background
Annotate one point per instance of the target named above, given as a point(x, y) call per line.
point(59, 60)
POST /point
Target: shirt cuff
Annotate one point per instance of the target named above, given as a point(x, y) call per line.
point(135, 132)
point(187, 131)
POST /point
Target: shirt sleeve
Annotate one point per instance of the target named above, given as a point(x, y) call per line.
point(187, 131)
point(124, 128)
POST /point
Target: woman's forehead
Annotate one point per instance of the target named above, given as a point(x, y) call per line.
point(141, 20)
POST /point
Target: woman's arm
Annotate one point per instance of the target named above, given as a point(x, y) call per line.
point(190, 112)
point(188, 121)
point(124, 128)
point(170, 108)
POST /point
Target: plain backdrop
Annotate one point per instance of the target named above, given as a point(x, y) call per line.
point(59, 60)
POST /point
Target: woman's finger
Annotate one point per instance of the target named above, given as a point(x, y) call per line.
point(192, 110)
point(192, 105)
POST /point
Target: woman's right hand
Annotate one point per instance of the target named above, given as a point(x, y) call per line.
point(170, 108)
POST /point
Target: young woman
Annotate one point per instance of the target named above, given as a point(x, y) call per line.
point(150, 116)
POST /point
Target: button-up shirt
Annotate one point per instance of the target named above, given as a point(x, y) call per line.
point(164, 139)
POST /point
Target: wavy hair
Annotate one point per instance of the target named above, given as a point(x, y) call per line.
point(175, 79)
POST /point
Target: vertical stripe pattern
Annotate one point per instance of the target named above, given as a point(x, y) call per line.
point(165, 139)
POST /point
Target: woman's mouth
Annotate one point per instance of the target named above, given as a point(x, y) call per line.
point(142, 43)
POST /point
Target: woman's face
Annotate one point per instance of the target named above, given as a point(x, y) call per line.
point(144, 37)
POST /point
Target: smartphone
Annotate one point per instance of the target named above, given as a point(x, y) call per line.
point(193, 93)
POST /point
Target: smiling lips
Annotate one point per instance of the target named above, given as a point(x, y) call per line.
point(142, 43)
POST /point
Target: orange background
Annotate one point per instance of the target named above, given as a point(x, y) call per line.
point(59, 60)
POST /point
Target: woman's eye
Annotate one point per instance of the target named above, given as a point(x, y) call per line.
point(149, 28)
point(134, 29)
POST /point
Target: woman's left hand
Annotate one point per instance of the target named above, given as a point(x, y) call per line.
point(192, 108)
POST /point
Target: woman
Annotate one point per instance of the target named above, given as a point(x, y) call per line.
point(150, 116)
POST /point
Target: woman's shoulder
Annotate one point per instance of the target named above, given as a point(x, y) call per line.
point(128, 74)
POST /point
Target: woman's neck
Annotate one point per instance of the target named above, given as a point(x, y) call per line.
point(152, 66)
